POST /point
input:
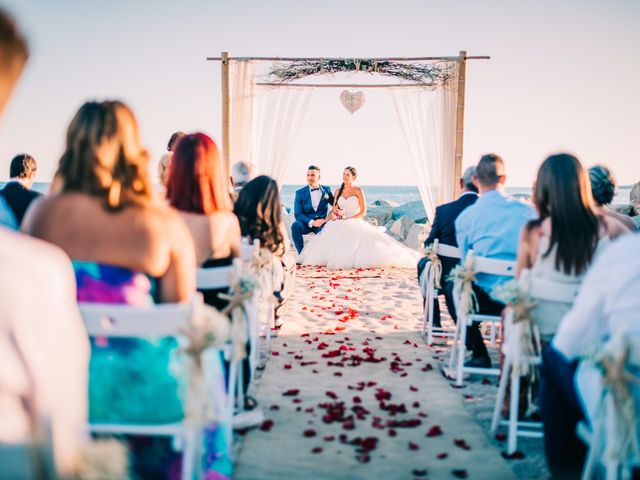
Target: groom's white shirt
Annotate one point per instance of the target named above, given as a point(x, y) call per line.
point(316, 196)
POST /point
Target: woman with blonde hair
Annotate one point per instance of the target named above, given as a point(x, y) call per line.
point(126, 248)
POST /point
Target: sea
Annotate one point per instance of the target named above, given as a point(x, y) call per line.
point(396, 194)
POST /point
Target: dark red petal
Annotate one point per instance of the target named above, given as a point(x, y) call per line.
point(442, 456)
point(413, 446)
point(517, 455)
point(419, 473)
point(501, 437)
point(309, 433)
point(459, 442)
point(266, 425)
point(434, 431)
point(291, 392)
point(316, 450)
point(461, 473)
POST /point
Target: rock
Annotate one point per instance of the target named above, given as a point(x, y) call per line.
point(634, 196)
point(401, 227)
point(382, 214)
point(371, 221)
point(636, 219)
point(624, 209)
point(416, 236)
point(414, 210)
point(383, 203)
point(523, 197)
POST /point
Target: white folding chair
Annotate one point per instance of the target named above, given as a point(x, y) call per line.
point(538, 290)
point(218, 278)
point(442, 250)
point(29, 460)
point(605, 437)
point(490, 266)
point(162, 320)
point(248, 251)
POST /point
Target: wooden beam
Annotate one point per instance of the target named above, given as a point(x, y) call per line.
point(346, 85)
point(384, 59)
point(226, 112)
point(459, 142)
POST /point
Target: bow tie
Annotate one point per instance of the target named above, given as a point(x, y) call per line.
point(314, 189)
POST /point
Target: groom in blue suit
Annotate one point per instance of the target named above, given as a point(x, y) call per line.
point(311, 207)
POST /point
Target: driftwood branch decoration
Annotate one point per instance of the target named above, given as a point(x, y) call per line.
point(431, 75)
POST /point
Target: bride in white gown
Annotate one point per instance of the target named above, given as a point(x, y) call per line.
point(347, 241)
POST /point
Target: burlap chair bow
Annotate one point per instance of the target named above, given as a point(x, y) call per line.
point(434, 265)
point(464, 275)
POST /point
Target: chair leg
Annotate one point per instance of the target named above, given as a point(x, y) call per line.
point(429, 303)
point(588, 471)
point(454, 345)
point(513, 412)
point(493, 334)
point(461, 350)
point(502, 390)
point(188, 455)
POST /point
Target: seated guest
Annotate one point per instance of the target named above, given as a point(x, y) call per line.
point(17, 192)
point(241, 174)
point(127, 248)
point(43, 345)
point(606, 307)
point(197, 188)
point(444, 231)
point(491, 227)
point(603, 188)
point(567, 237)
point(260, 215)
point(165, 161)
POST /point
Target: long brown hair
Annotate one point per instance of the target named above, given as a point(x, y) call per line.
point(196, 182)
point(260, 213)
point(341, 189)
point(104, 157)
point(562, 193)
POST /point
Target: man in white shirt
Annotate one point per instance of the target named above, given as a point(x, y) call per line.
point(608, 305)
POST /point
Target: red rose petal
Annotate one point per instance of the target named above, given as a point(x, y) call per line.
point(364, 458)
point(392, 433)
point(316, 450)
point(486, 381)
point(501, 437)
point(434, 431)
point(329, 438)
point(287, 367)
point(291, 392)
point(459, 442)
point(309, 433)
point(419, 473)
point(517, 455)
point(442, 456)
point(331, 394)
point(266, 425)
point(461, 473)
point(416, 405)
point(413, 446)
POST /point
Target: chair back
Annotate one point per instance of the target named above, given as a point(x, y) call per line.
point(109, 320)
point(216, 278)
point(448, 251)
point(493, 266)
point(552, 291)
point(248, 249)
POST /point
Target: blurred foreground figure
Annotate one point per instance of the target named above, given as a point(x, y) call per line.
point(43, 347)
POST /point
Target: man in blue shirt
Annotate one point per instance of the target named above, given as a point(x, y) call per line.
point(491, 227)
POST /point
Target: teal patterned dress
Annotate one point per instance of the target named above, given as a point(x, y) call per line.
point(132, 380)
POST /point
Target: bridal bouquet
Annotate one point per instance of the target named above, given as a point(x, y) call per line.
point(338, 214)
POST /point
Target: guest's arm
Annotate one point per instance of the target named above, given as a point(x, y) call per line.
point(435, 230)
point(528, 247)
point(234, 235)
point(179, 281)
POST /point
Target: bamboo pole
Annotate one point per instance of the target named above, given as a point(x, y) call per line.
point(226, 110)
point(459, 143)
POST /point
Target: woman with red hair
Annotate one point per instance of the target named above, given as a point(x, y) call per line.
point(198, 188)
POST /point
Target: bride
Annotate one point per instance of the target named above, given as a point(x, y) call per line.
point(347, 241)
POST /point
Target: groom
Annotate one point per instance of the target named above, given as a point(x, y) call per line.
point(310, 208)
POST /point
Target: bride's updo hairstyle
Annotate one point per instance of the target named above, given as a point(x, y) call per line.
point(355, 175)
point(260, 214)
point(104, 157)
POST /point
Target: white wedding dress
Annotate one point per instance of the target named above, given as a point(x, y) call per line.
point(354, 243)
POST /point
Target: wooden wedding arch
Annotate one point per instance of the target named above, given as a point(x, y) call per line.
point(461, 58)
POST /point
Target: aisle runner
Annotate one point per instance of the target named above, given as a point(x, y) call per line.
point(350, 393)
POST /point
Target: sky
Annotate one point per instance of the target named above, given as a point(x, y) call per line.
point(563, 76)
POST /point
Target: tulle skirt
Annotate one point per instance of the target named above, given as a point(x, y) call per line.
point(355, 243)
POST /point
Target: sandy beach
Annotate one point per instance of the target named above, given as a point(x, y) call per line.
point(350, 390)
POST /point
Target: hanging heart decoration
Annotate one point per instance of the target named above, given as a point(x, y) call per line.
point(352, 101)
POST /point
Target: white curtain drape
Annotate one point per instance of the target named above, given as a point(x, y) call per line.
point(278, 116)
point(427, 119)
point(242, 97)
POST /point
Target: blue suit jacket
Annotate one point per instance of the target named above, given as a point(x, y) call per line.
point(303, 208)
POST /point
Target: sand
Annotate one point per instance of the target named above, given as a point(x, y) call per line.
point(356, 394)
